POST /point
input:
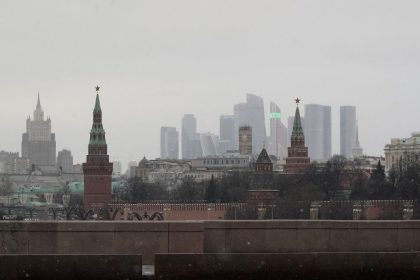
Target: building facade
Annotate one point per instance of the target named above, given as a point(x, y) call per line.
point(317, 130)
point(403, 150)
point(227, 132)
point(38, 143)
point(297, 160)
point(251, 114)
point(65, 160)
point(191, 143)
point(169, 143)
point(347, 130)
point(245, 140)
point(223, 162)
point(278, 133)
point(97, 170)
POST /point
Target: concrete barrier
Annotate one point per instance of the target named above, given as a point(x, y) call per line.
point(31, 267)
point(163, 237)
point(284, 236)
point(289, 266)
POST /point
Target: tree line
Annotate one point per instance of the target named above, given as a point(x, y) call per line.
point(319, 182)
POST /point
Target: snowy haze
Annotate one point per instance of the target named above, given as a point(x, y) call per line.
point(157, 60)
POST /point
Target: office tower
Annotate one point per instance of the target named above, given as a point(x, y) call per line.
point(38, 143)
point(65, 161)
point(278, 133)
point(116, 168)
point(245, 140)
point(169, 143)
point(318, 131)
point(209, 144)
point(290, 121)
point(227, 131)
point(252, 114)
point(97, 170)
point(297, 160)
point(347, 130)
point(189, 136)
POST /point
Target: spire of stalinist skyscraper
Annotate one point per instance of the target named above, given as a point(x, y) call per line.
point(38, 114)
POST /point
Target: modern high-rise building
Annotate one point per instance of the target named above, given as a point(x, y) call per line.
point(278, 133)
point(65, 161)
point(169, 143)
point(347, 130)
point(97, 170)
point(245, 140)
point(227, 131)
point(318, 131)
point(38, 143)
point(209, 144)
point(251, 114)
point(189, 135)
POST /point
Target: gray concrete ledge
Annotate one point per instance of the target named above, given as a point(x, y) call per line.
point(298, 266)
point(70, 267)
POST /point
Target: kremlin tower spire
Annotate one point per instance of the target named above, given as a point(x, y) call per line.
point(297, 160)
point(97, 170)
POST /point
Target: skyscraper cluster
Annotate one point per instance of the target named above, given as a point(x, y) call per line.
point(247, 125)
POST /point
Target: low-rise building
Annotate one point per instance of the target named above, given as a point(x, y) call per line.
point(407, 149)
point(223, 162)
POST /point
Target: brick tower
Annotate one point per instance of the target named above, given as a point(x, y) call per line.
point(97, 170)
point(297, 160)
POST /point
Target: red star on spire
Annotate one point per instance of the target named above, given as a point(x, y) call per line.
point(297, 100)
point(97, 88)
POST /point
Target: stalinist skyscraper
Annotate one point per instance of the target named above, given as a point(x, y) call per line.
point(38, 143)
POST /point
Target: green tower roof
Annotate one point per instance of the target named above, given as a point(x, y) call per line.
point(297, 125)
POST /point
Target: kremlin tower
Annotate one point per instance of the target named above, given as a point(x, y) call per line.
point(97, 170)
point(297, 160)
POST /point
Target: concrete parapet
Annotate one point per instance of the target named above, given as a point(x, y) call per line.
point(163, 237)
point(289, 266)
point(64, 267)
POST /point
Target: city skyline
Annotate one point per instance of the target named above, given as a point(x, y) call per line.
point(155, 66)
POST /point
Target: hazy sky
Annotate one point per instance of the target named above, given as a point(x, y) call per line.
point(156, 60)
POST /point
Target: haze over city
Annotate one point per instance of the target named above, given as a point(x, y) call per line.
point(156, 61)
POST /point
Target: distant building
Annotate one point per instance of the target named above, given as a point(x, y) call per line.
point(65, 161)
point(191, 143)
point(129, 172)
point(38, 143)
point(317, 130)
point(297, 160)
point(97, 170)
point(278, 133)
point(209, 144)
point(251, 114)
point(169, 143)
point(224, 162)
point(347, 130)
point(11, 163)
point(402, 150)
point(245, 140)
point(227, 132)
point(116, 168)
point(357, 151)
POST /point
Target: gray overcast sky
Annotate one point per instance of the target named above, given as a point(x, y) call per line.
point(157, 60)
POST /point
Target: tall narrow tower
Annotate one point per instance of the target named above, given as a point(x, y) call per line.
point(97, 170)
point(297, 160)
